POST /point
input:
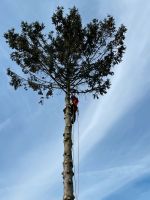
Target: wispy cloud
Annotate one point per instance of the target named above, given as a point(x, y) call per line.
point(107, 181)
point(5, 123)
point(130, 84)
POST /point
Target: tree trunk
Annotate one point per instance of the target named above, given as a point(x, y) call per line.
point(68, 162)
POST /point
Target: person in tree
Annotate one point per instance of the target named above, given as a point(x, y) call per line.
point(74, 108)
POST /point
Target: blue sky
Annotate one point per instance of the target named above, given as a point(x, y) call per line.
point(114, 130)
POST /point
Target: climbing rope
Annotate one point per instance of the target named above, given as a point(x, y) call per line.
point(78, 154)
point(74, 169)
point(76, 183)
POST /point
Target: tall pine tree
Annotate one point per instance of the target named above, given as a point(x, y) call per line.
point(73, 58)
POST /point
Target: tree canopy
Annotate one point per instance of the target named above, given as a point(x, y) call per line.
point(75, 56)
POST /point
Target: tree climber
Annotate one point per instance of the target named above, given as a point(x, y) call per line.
point(74, 108)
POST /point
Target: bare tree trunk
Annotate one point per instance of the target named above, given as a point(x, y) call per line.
point(68, 162)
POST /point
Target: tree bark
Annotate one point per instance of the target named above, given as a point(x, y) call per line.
point(68, 162)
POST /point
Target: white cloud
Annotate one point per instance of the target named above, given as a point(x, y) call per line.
point(105, 182)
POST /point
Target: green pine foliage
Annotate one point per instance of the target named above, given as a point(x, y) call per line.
point(80, 56)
